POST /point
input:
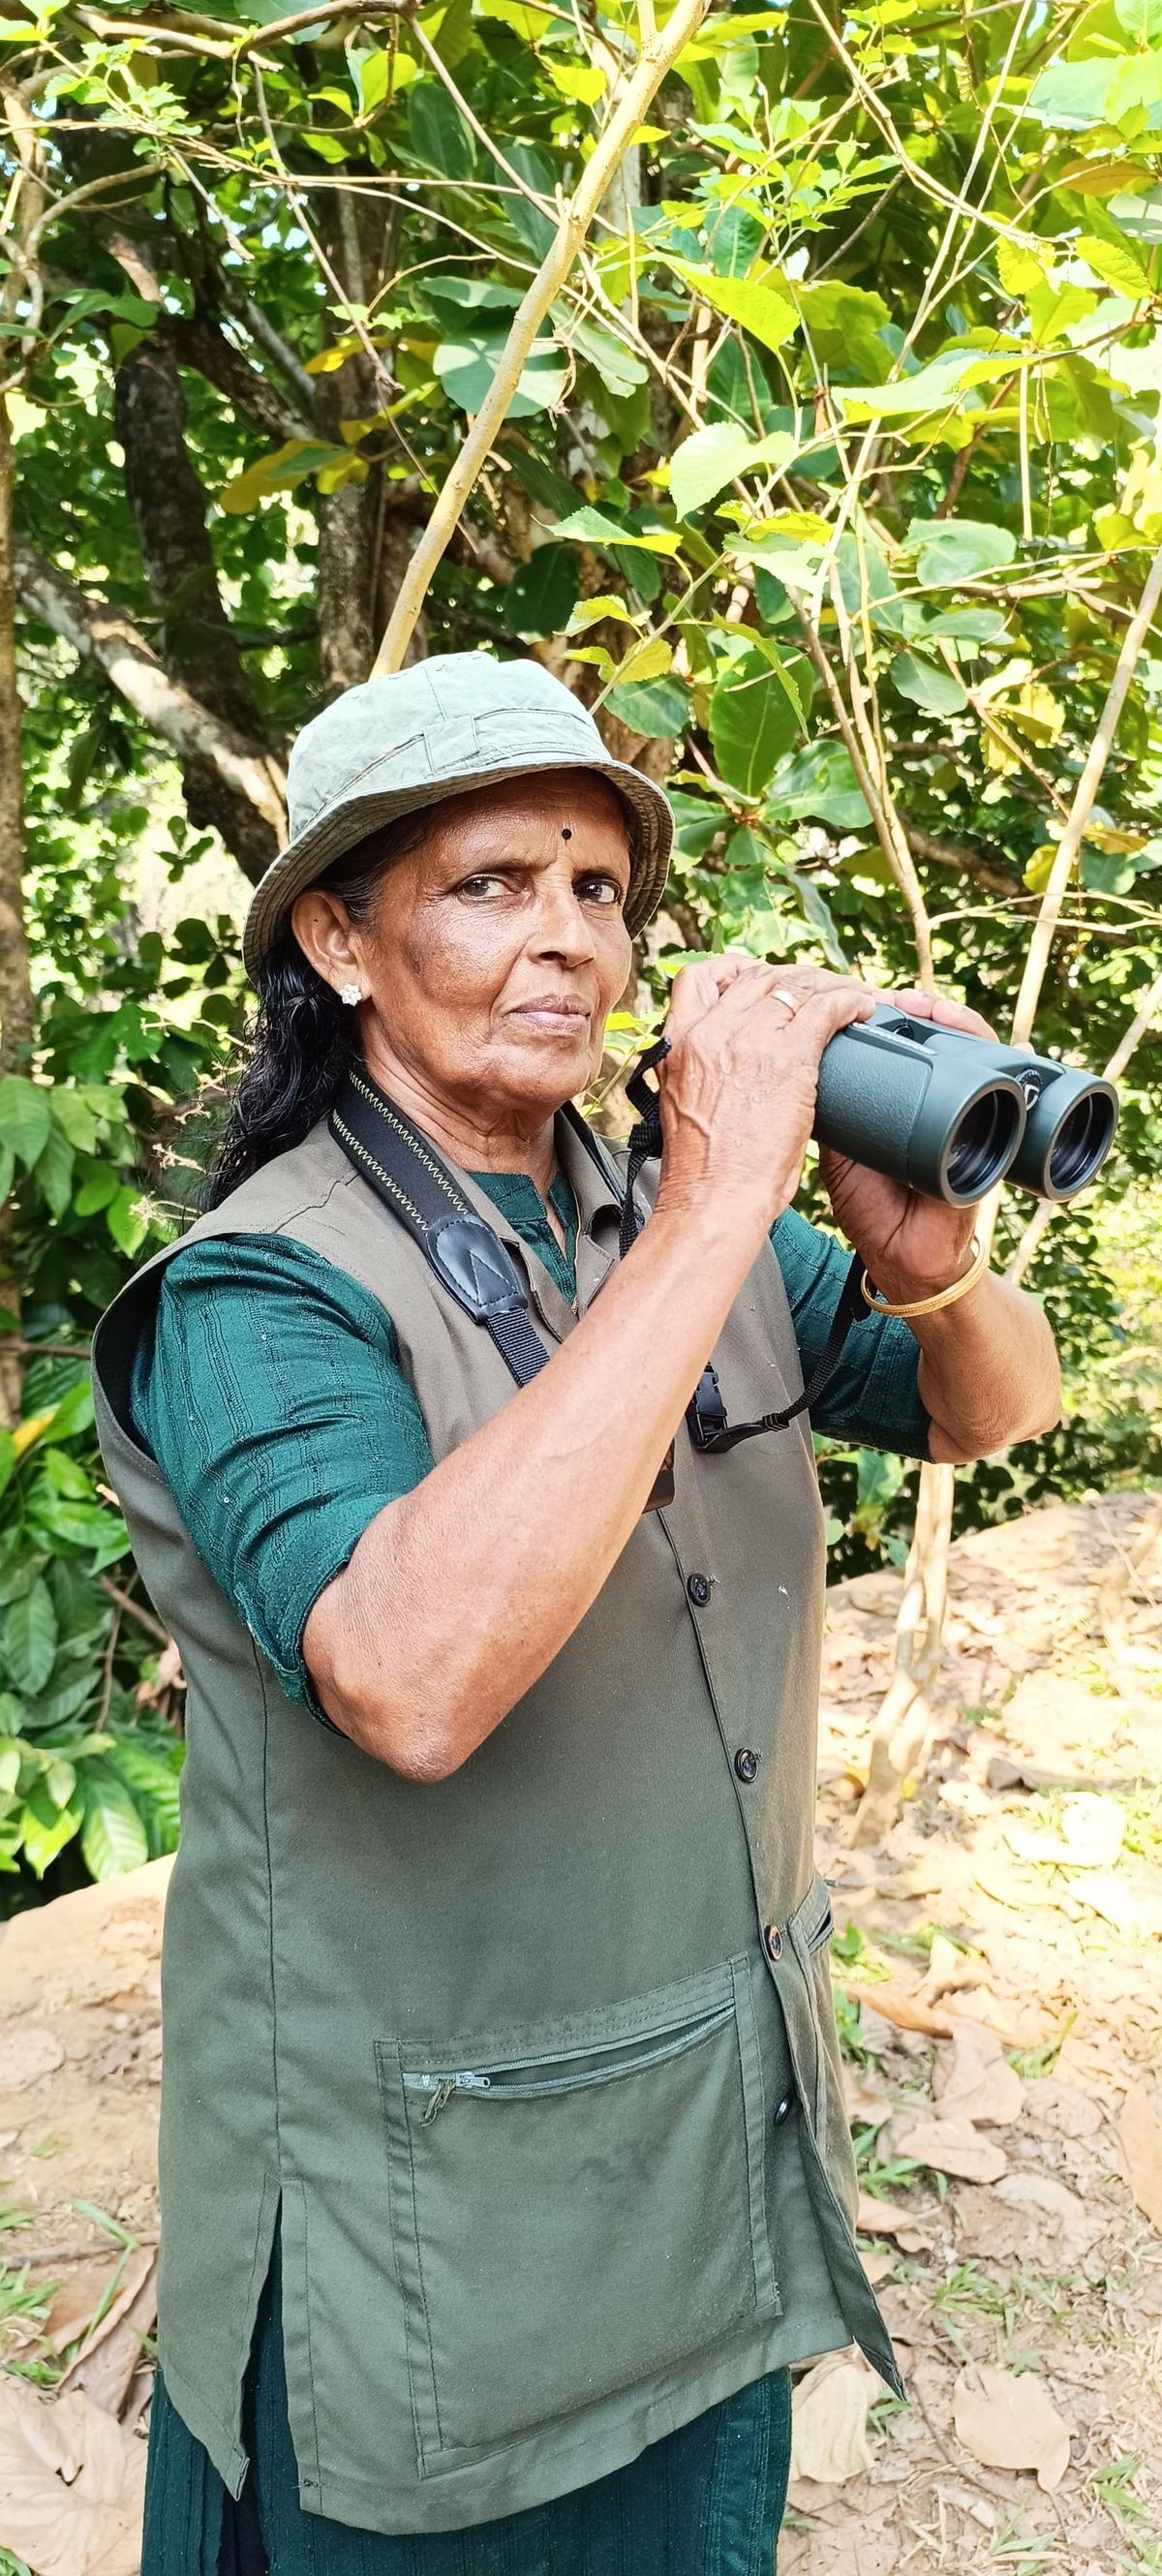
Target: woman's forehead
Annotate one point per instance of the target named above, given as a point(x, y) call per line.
point(525, 812)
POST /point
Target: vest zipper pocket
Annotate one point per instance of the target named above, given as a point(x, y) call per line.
point(591, 2218)
point(565, 2074)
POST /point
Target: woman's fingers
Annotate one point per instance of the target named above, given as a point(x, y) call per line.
point(944, 1014)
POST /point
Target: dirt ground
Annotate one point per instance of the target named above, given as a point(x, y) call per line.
point(999, 1964)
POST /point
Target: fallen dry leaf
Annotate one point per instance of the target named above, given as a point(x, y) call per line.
point(1008, 2421)
point(1061, 2228)
point(889, 2218)
point(75, 2306)
point(954, 2147)
point(905, 2012)
point(829, 2421)
point(26, 2054)
point(950, 1969)
point(1140, 2132)
point(109, 2363)
point(867, 2107)
point(1108, 1896)
point(1063, 2108)
point(1091, 1835)
point(974, 2081)
point(72, 2485)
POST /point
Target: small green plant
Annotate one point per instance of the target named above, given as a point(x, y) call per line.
point(1113, 2485)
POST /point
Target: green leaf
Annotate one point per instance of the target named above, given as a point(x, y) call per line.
point(25, 1117)
point(533, 228)
point(113, 1838)
point(734, 240)
point(56, 1707)
point(76, 1117)
point(617, 369)
point(955, 550)
point(818, 781)
point(46, 1827)
point(659, 709)
point(928, 685)
point(60, 1780)
point(9, 1456)
point(437, 132)
point(472, 294)
point(124, 1220)
point(818, 912)
point(11, 1761)
point(844, 326)
point(53, 1171)
point(1115, 263)
point(155, 1784)
point(29, 1637)
point(934, 388)
point(466, 368)
point(1140, 20)
point(592, 528)
point(703, 465)
point(543, 594)
point(96, 1191)
point(74, 1413)
point(761, 304)
point(753, 720)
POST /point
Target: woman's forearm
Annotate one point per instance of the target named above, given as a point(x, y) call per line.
point(988, 1373)
point(459, 1595)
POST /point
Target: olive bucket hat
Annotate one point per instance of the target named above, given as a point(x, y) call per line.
point(415, 737)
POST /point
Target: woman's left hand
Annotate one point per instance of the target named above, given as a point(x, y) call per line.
point(910, 1246)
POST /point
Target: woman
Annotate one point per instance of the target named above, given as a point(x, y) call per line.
point(504, 2162)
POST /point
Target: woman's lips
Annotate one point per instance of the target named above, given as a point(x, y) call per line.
point(556, 1014)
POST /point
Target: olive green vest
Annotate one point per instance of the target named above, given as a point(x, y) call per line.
point(535, 2070)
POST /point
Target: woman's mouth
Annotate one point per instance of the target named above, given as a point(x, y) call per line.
point(555, 1014)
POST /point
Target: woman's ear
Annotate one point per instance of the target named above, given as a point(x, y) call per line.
point(328, 937)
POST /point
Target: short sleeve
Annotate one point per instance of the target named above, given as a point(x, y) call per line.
point(271, 1395)
point(874, 1397)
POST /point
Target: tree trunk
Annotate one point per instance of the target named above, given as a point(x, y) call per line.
point(198, 646)
point(16, 1001)
point(352, 523)
point(903, 1725)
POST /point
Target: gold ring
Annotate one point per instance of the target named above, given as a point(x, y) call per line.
point(792, 1001)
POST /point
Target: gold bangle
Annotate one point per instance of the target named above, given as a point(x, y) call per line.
point(943, 1297)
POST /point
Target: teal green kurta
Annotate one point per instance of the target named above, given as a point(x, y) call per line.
point(611, 1911)
point(245, 1357)
point(272, 1395)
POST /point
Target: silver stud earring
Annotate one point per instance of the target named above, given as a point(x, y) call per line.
point(351, 994)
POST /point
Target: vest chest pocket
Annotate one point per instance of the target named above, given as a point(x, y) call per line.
point(574, 2218)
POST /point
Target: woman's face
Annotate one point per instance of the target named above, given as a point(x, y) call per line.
point(497, 950)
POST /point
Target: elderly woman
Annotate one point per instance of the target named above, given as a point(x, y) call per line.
point(504, 2161)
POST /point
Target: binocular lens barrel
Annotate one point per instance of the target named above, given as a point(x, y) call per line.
point(951, 1115)
point(982, 1145)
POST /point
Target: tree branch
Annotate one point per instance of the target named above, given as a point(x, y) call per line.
point(653, 63)
point(1085, 797)
point(200, 342)
point(98, 634)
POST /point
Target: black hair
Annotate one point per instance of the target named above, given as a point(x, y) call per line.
point(303, 1037)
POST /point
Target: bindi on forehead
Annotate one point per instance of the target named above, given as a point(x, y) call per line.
point(566, 831)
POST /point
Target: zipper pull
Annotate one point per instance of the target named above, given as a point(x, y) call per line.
point(443, 2093)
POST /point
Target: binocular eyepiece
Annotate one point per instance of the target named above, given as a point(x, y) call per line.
point(951, 1115)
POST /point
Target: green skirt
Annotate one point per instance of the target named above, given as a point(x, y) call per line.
point(706, 2501)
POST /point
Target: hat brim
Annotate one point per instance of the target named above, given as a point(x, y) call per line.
point(306, 859)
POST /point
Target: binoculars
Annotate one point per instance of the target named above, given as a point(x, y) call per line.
point(951, 1115)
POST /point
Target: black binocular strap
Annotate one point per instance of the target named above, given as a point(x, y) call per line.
point(409, 1177)
point(710, 1431)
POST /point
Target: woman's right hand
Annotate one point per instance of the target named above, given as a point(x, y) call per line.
point(738, 1086)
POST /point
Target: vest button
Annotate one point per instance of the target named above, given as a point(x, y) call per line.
point(782, 2110)
point(773, 1941)
point(698, 1587)
point(746, 1764)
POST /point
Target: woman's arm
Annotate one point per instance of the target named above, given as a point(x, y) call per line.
point(459, 1595)
point(988, 1372)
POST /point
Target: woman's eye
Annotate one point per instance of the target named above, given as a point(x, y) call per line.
point(481, 885)
point(603, 890)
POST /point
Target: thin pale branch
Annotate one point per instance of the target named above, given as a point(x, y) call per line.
point(646, 79)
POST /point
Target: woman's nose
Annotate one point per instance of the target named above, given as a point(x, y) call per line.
point(563, 925)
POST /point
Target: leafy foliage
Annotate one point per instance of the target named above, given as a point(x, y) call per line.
point(832, 474)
